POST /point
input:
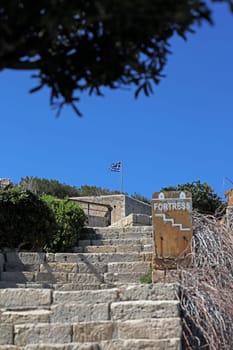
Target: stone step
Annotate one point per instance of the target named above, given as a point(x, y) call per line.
point(28, 285)
point(130, 344)
point(131, 248)
point(126, 267)
point(118, 278)
point(30, 299)
point(127, 310)
point(30, 269)
point(69, 262)
point(56, 286)
point(89, 332)
point(95, 258)
point(117, 233)
point(24, 316)
point(29, 261)
point(66, 268)
point(98, 242)
point(53, 277)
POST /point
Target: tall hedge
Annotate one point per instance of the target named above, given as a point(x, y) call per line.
point(26, 221)
point(70, 219)
point(29, 222)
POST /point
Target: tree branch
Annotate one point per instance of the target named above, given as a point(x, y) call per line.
point(23, 65)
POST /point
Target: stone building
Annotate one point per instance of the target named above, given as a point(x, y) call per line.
point(111, 209)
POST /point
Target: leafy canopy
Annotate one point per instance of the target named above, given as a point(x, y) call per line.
point(203, 197)
point(76, 46)
point(70, 219)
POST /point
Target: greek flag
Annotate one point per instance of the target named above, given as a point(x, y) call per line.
point(116, 167)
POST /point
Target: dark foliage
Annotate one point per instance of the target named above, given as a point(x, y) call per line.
point(60, 190)
point(26, 222)
point(46, 186)
point(203, 197)
point(76, 46)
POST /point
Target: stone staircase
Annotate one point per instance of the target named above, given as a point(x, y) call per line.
point(91, 299)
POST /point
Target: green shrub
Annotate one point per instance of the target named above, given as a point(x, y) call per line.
point(147, 277)
point(25, 220)
point(70, 219)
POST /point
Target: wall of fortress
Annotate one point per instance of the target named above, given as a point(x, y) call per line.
point(121, 206)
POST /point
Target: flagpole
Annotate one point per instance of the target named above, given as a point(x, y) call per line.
point(121, 178)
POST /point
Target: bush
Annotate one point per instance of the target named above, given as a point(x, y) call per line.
point(70, 219)
point(147, 277)
point(25, 220)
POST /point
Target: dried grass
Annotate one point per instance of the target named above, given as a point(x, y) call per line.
point(206, 288)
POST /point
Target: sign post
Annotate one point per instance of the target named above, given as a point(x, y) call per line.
point(172, 230)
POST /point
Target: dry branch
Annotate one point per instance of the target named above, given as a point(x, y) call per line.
point(206, 288)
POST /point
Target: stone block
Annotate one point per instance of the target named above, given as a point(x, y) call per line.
point(131, 234)
point(128, 277)
point(99, 249)
point(77, 257)
point(159, 291)
point(59, 267)
point(139, 344)
point(6, 334)
point(84, 242)
point(120, 267)
point(165, 276)
point(145, 241)
point(25, 258)
point(93, 331)
point(120, 257)
point(16, 298)
point(18, 276)
point(130, 310)
point(80, 312)
point(51, 277)
point(85, 278)
point(92, 268)
point(76, 286)
point(148, 248)
point(67, 346)
point(12, 267)
point(130, 248)
point(114, 242)
point(42, 333)
point(86, 297)
point(22, 316)
point(163, 328)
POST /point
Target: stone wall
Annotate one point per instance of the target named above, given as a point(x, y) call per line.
point(121, 206)
point(133, 206)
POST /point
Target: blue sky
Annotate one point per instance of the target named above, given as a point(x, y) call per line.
point(182, 133)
